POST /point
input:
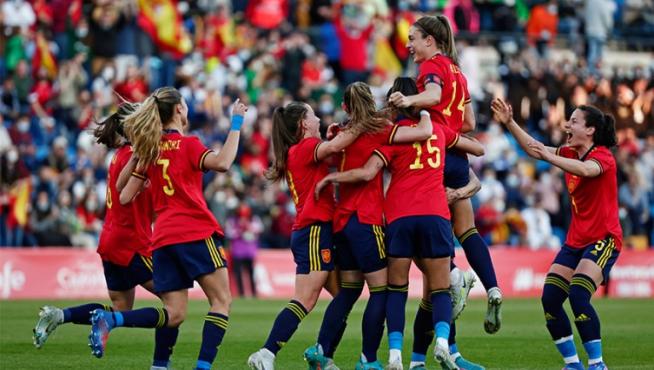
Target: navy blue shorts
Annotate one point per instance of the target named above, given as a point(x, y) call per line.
point(360, 247)
point(312, 248)
point(456, 171)
point(122, 278)
point(178, 265)
point(603, 253)
point(420, 237)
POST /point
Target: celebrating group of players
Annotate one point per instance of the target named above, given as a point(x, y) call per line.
point(366, 235)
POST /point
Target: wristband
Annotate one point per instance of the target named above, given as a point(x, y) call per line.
point(424, 113)
point(237, 122)
point(139, 175)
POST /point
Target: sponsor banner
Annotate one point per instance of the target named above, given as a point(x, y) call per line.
point(62, 273)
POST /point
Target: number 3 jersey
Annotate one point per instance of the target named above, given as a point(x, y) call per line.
point(441, 70)
point(594, 200)
point(127, 228)
point(176, 182)
point(416, 187)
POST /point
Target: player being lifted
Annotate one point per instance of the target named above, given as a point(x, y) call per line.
point(186, 237)
point(124, 247)
point(594, 238)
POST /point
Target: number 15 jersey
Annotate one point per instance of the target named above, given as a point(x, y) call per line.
point(181, 211)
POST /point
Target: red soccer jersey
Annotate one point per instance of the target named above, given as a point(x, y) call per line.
point(364, 198)
point(416, 187)
point(594, 201)
point(302, 174)
point(127, 228)
point(441, 70)
point(176, 176)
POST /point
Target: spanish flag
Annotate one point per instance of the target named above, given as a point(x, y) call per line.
point(385, 60)
point(43, 57)
point(160, 19)
point(19, 199)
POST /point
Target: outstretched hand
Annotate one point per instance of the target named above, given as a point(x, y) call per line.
point(239, 109)
point(540, 150)
point(502, 112)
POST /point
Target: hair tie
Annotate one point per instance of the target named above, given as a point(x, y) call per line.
point(156, 100)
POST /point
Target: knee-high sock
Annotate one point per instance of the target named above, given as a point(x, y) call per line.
point(555, 292)
point(336, 314)
point(215, 326)
point(372, 325)
point(477, 254)
point(164, 342)
point(582, 288)
point(82, 314)
point(395, 316)
point(285, 325)
point(441, 303)
point(423, 331)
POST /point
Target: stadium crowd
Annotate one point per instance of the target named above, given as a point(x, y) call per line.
point(68, 63)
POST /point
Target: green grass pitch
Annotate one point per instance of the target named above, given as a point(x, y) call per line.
point(522, 343)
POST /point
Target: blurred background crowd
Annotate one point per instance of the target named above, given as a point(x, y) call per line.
point(68, 63)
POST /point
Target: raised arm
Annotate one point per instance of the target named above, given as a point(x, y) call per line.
point(428, 98)
point(125, 173)
point(365, 173)
point(503, 113)
point(335, 145)
point(223, 160)
point(408, 134)
point(588, 168)
point(469, 121)
point(133, 187)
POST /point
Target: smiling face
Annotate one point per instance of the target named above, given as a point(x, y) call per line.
point(420, 47)
point(578, 134)
point(310, 123)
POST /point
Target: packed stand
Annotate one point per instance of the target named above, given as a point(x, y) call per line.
point(68, 63)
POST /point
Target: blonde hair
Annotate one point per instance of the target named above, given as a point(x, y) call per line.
point(143, 127)
point(362, 110)
point(439, 28)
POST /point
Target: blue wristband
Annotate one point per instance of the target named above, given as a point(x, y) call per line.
point(237, 122)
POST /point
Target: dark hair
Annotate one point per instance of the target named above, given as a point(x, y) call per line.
point(438, 27)
point(603, 123)
point(407, 86)
point(286, 132)
point(111, 130)
point(144, 126)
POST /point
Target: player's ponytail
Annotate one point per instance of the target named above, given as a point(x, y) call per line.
point(109, 131)
point(143, 127)
point(407, 86)
point(439, 28)
point(603, 123)
point(286, 132)
point(362, 110)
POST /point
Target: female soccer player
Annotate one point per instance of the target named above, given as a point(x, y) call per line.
point(358, 220)
point(418, 223)
point(300, 157)
point(443, 91)
point(126, 264)
point(186, 237)
point(594, 239)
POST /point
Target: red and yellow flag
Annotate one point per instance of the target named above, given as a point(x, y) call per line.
point(161, 20)
point(43, 57)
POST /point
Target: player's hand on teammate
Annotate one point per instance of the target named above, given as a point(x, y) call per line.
point(502, 112)
point(239, 109)
point(332, 130)
point(399, 100)
point(452, 195)
point(321, 185)
point(540, 150)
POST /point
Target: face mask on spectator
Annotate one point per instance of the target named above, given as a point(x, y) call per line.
point(108, 74)
point(12, 156)
point(23, 125)
point(82, 32)
point(43, 206)
point(91, 205)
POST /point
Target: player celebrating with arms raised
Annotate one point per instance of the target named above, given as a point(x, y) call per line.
point(186, 236)
point(594, 238)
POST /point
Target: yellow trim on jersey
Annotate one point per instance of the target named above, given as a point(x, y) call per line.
point(291, 187)
point(453, 143)
point(467, 101)
point(391, 137)
point(381, 155)
point(315, 152)
point(204, 155)
point(599, 164)
point(139, 176)
point(379, 236)
point(558, 150)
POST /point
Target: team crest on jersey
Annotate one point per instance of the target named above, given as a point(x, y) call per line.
point(326, 255)
point(222, 252)
point(572, 184)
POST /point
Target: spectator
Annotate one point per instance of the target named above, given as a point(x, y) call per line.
point(598, 20)
point(539, 226)
point(243, 230)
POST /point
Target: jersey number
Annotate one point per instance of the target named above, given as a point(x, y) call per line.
point(168, 189)
point(433, 161)
point(109, 202)
point(461, 106)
